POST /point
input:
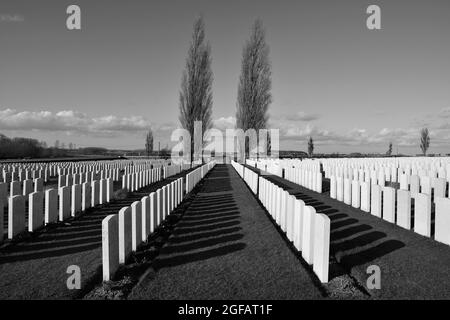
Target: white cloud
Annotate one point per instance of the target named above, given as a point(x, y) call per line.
point(298, 116)
point(75, 122)
point(223, 123)
point(444, 113)
point(303, 116)
point(359, 136)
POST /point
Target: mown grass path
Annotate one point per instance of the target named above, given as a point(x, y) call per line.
point(226, 247)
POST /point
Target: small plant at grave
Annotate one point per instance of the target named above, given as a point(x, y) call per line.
point(112, 290)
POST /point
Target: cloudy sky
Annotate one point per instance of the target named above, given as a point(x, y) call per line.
point(351, 88)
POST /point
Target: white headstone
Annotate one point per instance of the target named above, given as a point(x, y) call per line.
point(404, 209)
point(61, 181)
point(51, 206)
point(321, 256)
point(298, 223)
point(347, 191)
point(389, 204)
point(64, 203)
point(278, 205)
point(103, 191)
point(109, 189)
point(290, 217)
point(340, 189)
point(95, 193)
point(153, 211)
point(284, 199)
point(76, 200)
point(125, 236)
point(333, 187)
point(356, 194)
point(442, 220)
point(35, 211)
point(145, 205)
point(309, 214)
point(414, 184)
point(425, 185)
point(440, 186)
point(136, 225)
point(38, 184)
point(110, 246)
point(381, 178)
point(318, 182)
point(16, 216)
point(404, 182)
point(86, 196)
point(15, 189)
point(422, 214)
point(159, 206)
point(375, 201)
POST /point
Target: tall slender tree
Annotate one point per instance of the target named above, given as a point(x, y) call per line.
point(196, 84)
point(254, 97)
point(149, 142)
point(389, 152)
point(310, 147)
point(424, 140)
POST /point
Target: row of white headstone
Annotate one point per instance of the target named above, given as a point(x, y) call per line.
point(305, 173)
point(195, 176)
point(122, 233)
point(435, 187)
point(53, 205)
point(79, 178)
point(376, 176)
point(24, 174)
point(143, 165)
point(250, 177)
point(392, 168)
point(277, 166)
point(394, 205)
point(169, 171)
point(139, 179)
point(23, 171)
point(307, 230)
point(271, 167)
point(310, 179)
point(17, 188)
point(88, 167)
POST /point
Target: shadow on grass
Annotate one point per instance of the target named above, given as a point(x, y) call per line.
point(209, 227)
point(83, 233)
point(352, 243)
